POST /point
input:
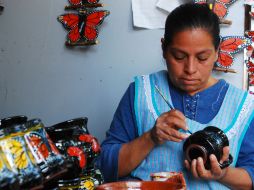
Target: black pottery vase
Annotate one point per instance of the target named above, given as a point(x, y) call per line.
point(203, 143)
point(79, 149)
point(11, 121)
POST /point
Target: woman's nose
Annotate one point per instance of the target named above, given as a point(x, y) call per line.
point(190, 66)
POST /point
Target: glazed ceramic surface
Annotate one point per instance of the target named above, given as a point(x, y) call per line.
point(18, 156)
point(11, 121)
point(80, 150)
point(141, 185)
point(203, 143)
point(44, 151)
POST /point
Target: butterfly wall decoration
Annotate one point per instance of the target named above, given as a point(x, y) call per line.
point(229, 46)
point(249, 57)
point(82, 25)
point(248, 69)
point(251, 14)
point(81, 4)
point(219, 7)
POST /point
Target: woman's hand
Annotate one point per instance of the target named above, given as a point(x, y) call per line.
point(167, 126)
point(198, 170)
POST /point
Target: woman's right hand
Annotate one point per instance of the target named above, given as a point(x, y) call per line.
point(167, 127)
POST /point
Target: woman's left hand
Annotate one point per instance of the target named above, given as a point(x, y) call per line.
point(198, 170)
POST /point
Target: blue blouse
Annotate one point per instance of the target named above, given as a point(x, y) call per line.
point(201, 107)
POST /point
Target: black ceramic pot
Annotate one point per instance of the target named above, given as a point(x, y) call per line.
point(90, 180)
point(203, 143)
point(76, 144)
point(12, 121)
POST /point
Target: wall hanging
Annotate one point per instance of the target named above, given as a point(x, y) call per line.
point(77, 4)
point(83, 22)
point(229, 46)
point(219, 7)
point(248, 76)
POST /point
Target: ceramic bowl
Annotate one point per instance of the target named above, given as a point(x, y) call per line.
point(141, 185)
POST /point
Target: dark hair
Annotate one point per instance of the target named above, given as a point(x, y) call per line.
point(188, 16)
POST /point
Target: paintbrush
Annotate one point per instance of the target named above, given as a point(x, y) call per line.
point(169, 105)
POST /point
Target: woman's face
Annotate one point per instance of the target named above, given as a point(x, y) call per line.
point(190, 59)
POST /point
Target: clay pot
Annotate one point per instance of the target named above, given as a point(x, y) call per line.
point(80, 150)
point(203, 143)
point(19, 157)
point(141, 185)
point(45, 153)
point(11, 121)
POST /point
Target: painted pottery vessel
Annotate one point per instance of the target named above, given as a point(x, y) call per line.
point(8, 180)
point(88, 181)
point(11, 121)
point(19, 157)
point(142, 185)
point(210, 140)
point(80, 149)
point(44, 151)
point(175, 177)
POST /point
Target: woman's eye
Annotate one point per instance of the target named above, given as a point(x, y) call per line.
point(179, 57)
point(202, 58)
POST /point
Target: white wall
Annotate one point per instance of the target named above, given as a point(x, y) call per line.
point(40, 77)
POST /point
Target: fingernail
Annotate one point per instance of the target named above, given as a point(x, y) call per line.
point(186, 135)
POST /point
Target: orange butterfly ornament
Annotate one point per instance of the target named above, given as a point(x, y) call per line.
point(219, 7)
point(83, 27)
point(229, 46)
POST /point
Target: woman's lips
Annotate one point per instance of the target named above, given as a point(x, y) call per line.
point(189, 81)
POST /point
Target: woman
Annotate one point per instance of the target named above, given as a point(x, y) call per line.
point(147, 136)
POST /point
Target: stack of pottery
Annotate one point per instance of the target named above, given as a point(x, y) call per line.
point(79, 149)
point(27, 155)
